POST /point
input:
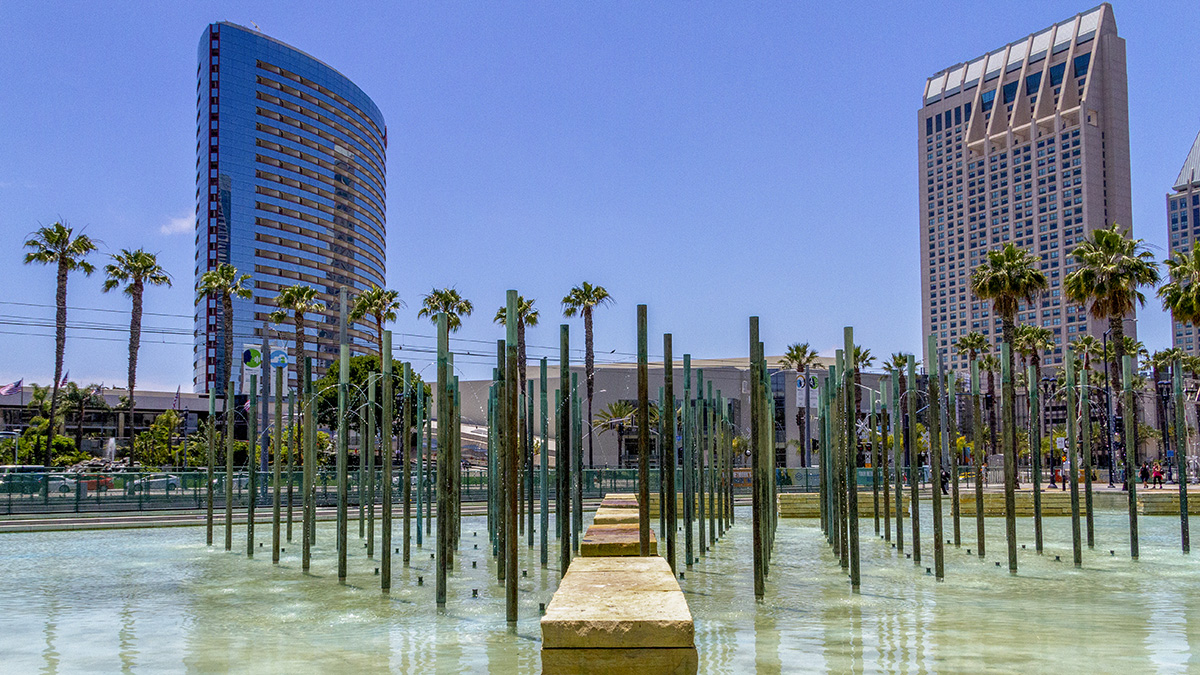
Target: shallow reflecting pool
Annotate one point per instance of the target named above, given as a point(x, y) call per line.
point(159, 600)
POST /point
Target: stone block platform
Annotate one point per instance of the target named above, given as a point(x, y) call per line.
point(808, 504)
point(618, 613)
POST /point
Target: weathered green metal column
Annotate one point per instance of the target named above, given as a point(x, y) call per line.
point(1073, 454)
point(1035, 451)
point(368, 445)
point(952, 431)
point(711, 449)
point(700, 433)
point(252, 464)
point(343, 453)
point(838, 462)
point(276, 469)
point(291, 457)
point(528, 457)
point(387, 455)
point(884, 427)
point(643, 422)
point(562, 452)
point(688, 497)
point(501, 485)
point(576, 462)
point(755, 477)
point(1010, 456)
point(544, 466)
point(443, 484)
point(210, 459)
point(307, 508)
point(851, 457)
point(1180, 456)
point(661, 455)
point(935, 456)
point(1085, 448)
point(1130, 440)
point(419, 429)
point(230, 414)
point(897, 455)
point(512, 450)
point(822, 461)
point(980, 459)
point(362, 447)
point(914, 462)
point(406, 456)
point(873, 439)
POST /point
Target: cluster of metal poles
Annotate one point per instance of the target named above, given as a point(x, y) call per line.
point(895, 408)
point(299, 427)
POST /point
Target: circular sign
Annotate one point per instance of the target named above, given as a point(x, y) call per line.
point(252, 357)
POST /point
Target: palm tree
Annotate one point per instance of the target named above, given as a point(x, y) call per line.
point(1034, 341)
point(381, 305)
point(862, 359)
point(583, 299)
point(1008, 277)
point(58, 245)
point(1111, 269)
point(972, 344)
point(301, 300)
point(1181, 295)
point(445, 301)
point(136, 270)
point(991, 364)
point(80, 399)
point(800, 357)
point(527, 315)
point(622, 416)
point(1086, 346)
point(899, 363)
point(224, 283)
point(39, 401)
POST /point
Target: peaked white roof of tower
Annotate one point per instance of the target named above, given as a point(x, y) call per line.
point(1190, 173)
point(947, 80)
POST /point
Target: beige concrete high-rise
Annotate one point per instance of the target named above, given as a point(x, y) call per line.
point(1027, 144)
point(1183, 212)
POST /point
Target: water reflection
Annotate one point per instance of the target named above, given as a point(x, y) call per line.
point(159, 600)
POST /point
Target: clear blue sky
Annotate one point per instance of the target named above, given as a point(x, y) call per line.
point(710, 160)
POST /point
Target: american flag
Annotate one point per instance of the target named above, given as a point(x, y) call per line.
point(175, 405)
point(66, 376)
point(97, 390)
point(246, 407)
point(8, 389)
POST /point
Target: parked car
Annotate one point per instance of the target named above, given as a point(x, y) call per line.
point(21, 479)
point(62, 484)
point(154, 482)
point(97, 482)
point(241, 481)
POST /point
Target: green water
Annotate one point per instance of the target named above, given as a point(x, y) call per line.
point(159, 600)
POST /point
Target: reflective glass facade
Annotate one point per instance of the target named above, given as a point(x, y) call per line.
point(290, 188)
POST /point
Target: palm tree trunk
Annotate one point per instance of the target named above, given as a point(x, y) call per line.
point(60, 346)
point(991, 410)
point(227, 338)
point(1116, 327)
point(135, 338)
point(589, 367)
point(79, 425)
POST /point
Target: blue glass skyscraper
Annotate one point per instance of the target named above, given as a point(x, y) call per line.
point(290, 189)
